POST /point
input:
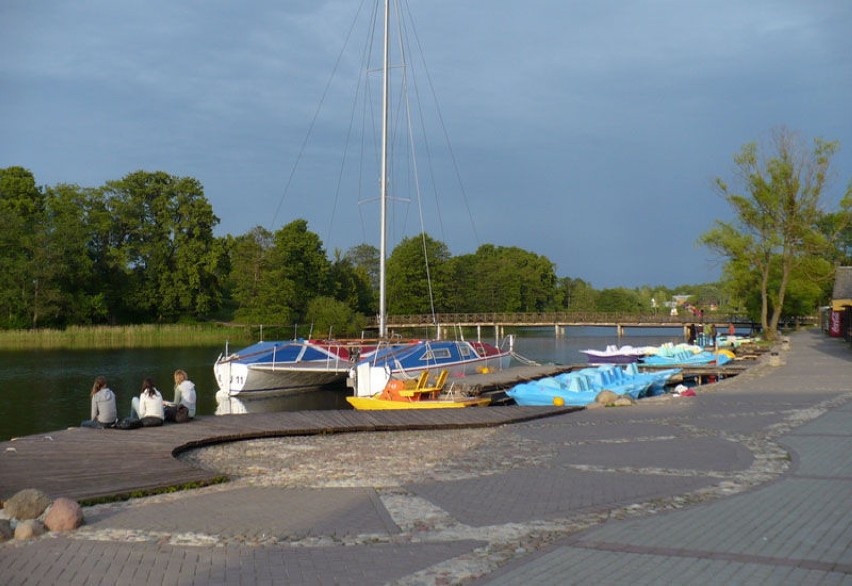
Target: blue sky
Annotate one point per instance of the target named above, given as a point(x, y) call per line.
point(588, 132)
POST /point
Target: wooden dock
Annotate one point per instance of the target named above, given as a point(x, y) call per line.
point(86, 464)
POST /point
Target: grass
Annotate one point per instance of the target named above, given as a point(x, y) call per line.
point(135, 336)
point(135, 494)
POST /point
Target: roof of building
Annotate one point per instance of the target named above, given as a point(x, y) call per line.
point(842, 283)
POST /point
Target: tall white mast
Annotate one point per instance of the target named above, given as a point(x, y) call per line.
point(383, 198)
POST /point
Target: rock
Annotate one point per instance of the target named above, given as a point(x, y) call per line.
point(5, 529)
point(29, 529)
point(606, 397)
point(624, 401)
point(27, 504)
point(63, 515)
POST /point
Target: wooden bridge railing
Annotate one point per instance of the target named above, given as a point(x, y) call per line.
point(553, 318)
point(569, 318)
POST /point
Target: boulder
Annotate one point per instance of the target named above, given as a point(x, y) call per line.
point(27, 504)
point(624, 401)
point(63, 515)
point(606, 397)
point(5, 529)
point(29, 529)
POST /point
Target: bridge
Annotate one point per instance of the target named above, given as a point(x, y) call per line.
point(560, 320)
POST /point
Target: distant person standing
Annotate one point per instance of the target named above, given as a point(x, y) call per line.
point(184, 392)
point(104, 411)
point(732, 330)
point(148, 406)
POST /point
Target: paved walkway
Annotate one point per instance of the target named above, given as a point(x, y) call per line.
point(748, 483)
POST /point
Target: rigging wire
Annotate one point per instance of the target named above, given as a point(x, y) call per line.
point(308, 134)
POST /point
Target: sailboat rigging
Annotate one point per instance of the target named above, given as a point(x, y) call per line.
point(272, 368)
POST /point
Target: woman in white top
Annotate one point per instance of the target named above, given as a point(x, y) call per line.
point(184, 391)
point(148, 406)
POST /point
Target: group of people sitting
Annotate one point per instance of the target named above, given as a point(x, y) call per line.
point(148, 408)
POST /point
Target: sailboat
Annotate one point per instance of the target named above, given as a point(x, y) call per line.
point(375, 378)
point(270, 369)
point(280, 368)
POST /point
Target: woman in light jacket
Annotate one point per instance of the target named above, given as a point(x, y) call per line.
point(184, 391)
point(104, 412)
point(148, 406)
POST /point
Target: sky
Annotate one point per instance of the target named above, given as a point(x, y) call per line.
point(587, 132)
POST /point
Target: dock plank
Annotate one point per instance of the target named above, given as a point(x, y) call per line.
point(85, 464)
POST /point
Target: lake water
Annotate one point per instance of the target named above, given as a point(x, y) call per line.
point(47, 390)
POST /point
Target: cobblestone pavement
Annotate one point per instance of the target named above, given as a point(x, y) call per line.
point(750, 482)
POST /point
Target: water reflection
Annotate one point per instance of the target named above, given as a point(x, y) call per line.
point(311, 399)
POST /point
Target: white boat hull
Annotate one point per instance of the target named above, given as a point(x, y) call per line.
point(268, 380)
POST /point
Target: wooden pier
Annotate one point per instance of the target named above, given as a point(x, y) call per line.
point(86, 464)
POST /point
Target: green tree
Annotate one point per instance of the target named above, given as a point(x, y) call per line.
point(512, 279)
point(351, 285)
point(365, 259)
point(418, 276)
point(576, 295)
point(619, 299)
point(72, 253)
point(249, 256)
point(163, 246)
point(776, 218)
point(333, 318)
point(26, 287)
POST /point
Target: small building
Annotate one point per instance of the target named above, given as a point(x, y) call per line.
point(840, 321)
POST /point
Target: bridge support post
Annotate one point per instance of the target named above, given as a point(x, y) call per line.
point(619, 330)
point(478, 333)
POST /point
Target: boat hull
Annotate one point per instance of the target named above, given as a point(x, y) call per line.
point(593, 358)
point(262, 381)
point(274, 369)
point(377, 404)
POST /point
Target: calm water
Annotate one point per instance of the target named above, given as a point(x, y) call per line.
point(49, 390)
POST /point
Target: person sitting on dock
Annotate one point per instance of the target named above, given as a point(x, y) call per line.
point(104, 411)
point(148, 406)
point(184, 395)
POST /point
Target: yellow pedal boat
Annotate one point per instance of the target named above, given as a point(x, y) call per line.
point(397, 395)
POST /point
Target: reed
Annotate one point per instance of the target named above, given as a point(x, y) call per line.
point(133, 336)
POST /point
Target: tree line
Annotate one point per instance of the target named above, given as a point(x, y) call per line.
point(142, 249)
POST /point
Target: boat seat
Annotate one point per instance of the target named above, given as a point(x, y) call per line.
point(423, 389)
point(417, 383)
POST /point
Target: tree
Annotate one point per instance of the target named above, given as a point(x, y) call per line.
point(500, 278)
point(297, 258)
point(351, 285)
point(333, 318)
point(72, 251)
point(24, 287)
point(164, 249)
point(418, 276)
point(621, 300)
point(365, 258)
point(576, 294)
point(776, 218)
point(248, 255)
